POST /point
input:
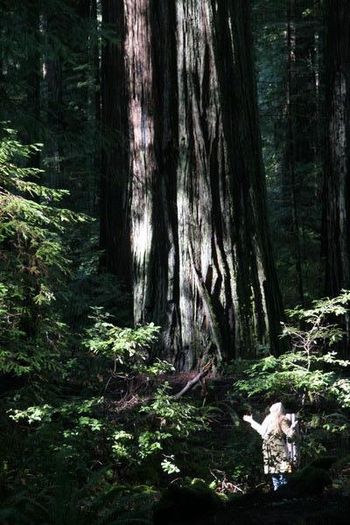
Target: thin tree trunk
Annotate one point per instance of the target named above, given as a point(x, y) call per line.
point(54, 108)
point(114, 231)
point(96, 67)
point(33, 64)
point(301, 166)
point(291, 146)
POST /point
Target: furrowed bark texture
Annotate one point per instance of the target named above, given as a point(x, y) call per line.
point(163, 290)
point(201, 254)
point(337, 220)
point(254, 285)
point(142, 149)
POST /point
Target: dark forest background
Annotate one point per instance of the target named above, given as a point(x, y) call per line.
point(174, 251)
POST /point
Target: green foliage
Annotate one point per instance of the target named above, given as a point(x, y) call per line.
point(119, 344)
point(310, 370)
point(33, 264)
point(169, 466)
point(310, 375)
point(67, 503)
point(139, 437)
point(180, 417)
point(152, 432)
point(127, 348)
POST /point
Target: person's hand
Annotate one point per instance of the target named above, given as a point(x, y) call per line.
point(294, 424)
point(247, 418)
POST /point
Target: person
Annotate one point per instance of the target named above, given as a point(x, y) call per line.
point(274, 430)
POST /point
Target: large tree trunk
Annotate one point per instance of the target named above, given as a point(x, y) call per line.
point(201, 254)
point(336, 234)
point(337, 218)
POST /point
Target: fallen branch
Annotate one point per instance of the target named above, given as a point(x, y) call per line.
point(190, 384)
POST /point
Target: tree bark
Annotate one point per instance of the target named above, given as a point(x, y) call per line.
point(337, 201)
point(202, 263)
point(114, 202)
point(336, 219)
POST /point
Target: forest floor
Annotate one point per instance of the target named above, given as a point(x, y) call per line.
point(322, 498)
point(329, 508)
point(326, 509)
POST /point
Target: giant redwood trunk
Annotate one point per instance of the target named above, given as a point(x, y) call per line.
point(337, 187)
point(202, 266)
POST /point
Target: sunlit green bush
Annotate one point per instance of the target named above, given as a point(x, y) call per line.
point(33, 265)
point(310, 377)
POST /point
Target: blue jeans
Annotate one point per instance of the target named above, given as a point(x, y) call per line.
point(278, 480)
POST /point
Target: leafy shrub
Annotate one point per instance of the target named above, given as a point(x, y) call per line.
point(138, 435)
point(33, 263)
point(125, 346)
point(310, 376)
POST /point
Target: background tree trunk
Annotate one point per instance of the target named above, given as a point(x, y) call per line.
point(301, 173)
point(336, 220)
point(337, 202)
point(32, 67)
point(53, 100)
point(289, 179)
point(114, 207)
point(69, 98)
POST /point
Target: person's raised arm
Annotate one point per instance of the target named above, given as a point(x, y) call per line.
point(254, 424)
